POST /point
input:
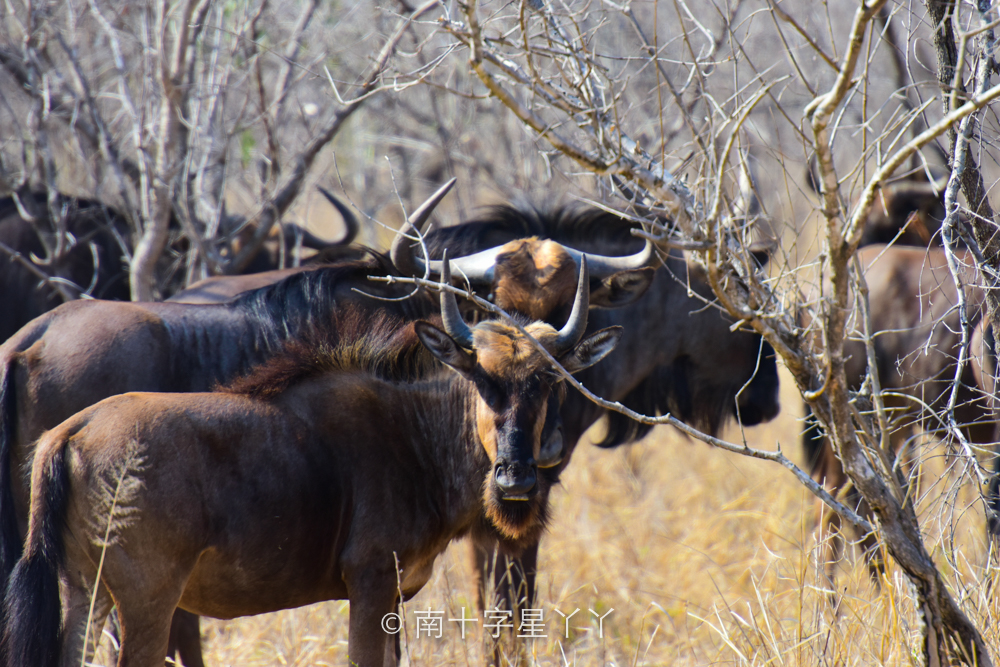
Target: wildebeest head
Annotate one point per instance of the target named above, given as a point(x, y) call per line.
point(513, 383)
point(909, 212)
point(537, 277)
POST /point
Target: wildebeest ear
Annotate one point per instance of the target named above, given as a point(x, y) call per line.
point(444, 347)
point(622, 288)
point(591, 349)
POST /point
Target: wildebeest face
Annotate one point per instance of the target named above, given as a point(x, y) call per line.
point(517, 414)
point(553, 449)
point(515, 388)
point(514, 385)
point(513, 380)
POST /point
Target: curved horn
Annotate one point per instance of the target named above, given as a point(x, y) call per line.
point(478, 268)
point(454, 325)
point(572, 331)
point(602, 266)
point(401, 253)
point(351, 226)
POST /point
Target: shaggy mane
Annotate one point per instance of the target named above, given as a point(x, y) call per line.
point(669, 389)
point(295, 307)
point(377, 343)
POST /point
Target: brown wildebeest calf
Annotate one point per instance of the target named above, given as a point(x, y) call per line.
point(917, 338)
point(314, 478)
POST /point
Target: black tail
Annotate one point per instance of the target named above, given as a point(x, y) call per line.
point(10, 535)
point(813, 441)
point(32, 608)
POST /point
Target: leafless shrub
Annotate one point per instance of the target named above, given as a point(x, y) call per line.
point(670, 104)
point(169, 109)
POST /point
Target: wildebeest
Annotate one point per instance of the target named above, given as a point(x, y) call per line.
point(695, 367)
point(985, 366)
point(917, 339)
point(280, 248)
point(261, 497)
point(908, 212)
point(94, 258)
point(93, 262)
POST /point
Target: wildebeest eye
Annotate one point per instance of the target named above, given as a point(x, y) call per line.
point(491, 393)
point(533, 389)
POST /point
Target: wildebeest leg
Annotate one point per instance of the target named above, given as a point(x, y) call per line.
point(826, 470)
point(184, 645)
point(907, 471)
point(185, 639)
point(146, 592)
point(513, 578)
point(506, 583)
point(831, 546)
point(75, 616)
point(145, 632)
point(372, 594)
point(867, 542)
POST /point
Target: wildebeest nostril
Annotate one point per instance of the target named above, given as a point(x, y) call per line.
point(515, 481)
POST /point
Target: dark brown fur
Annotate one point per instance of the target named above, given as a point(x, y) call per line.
point(168, 347)
point(908, 212)
point(676, 354)
point(84, 351)
point(535, 277)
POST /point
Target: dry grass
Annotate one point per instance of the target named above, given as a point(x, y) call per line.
point(705, 558)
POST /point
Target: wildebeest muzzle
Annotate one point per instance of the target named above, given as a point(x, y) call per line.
point(515, 470)
point(758, 402)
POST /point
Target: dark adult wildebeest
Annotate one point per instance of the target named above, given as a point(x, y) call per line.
point(293, 238)
point(94, 259)
point(917, 338)
point(908, 212)
point(261, 497)
point(696, 368)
